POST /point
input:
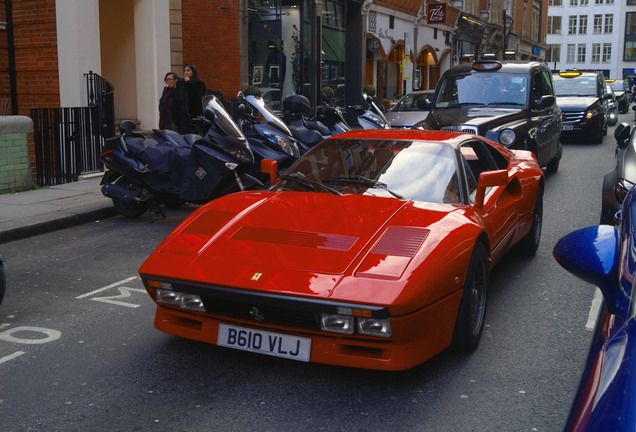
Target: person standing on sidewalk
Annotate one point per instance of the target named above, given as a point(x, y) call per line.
point(187, 99)
point(166, 105)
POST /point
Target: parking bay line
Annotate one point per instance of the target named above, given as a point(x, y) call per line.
point(121, 282)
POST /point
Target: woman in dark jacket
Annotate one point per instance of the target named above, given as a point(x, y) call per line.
point(187, 99)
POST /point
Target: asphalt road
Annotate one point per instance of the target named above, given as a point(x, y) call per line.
point(78, 350)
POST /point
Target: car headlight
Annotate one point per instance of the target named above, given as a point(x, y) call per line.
point(375, 326)
point(337, 323)
point(507, 137)
point(285, 144)
point(183, 300)
point(591, 113)
point(621, 189)
point(349, 324)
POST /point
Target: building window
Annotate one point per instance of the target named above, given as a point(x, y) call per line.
point(571, 53)
point(607, 52)
point(554, 2)
point(582, 24)
point(391, 22)
point(553, 53)
point(629, 51)
point(584, 2)
point(598, 2)
point(373, 19)
point(580, 57)
point(598, 24)
point(572, 25)
point(596, 53)
point(609, 24)
point(554, 25)
point(610, 2)
point(574, 2)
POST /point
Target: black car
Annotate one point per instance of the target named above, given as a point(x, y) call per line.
point(583, 100)
point(511, 103)
point(617, 183)
point(623, 94)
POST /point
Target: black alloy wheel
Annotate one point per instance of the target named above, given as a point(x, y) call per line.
point(472, 308)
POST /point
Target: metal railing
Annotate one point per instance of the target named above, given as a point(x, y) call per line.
point(68, 141)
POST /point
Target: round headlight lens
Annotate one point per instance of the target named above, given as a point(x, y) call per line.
point(507, 137)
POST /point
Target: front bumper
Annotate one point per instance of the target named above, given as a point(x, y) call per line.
point(416, 337)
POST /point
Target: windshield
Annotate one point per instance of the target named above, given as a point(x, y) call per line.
point(221, 118)
point(413, 102)
point(618, 86)
point(497, 89)
point(577, 86)
point(419, 171)
point(272, 119)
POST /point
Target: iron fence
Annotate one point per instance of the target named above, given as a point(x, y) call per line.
point(68, 141)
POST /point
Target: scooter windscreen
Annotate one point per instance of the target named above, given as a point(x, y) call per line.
point(223, 120)
point(259, 104)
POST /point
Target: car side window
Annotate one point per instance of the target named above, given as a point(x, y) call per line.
point(476, 159)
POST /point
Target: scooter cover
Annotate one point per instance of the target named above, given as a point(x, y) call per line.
point(203, 174)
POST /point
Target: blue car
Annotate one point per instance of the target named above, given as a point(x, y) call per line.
point(605, 256)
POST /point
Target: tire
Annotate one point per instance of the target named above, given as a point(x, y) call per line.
point(553, 165)
point(530, 243)
point(469, 324)
point(130, 210)
point(3, 281)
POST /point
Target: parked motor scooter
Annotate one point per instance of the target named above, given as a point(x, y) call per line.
point(173, 169)
point(373, 117)
point(309, 130)
point(268, 136)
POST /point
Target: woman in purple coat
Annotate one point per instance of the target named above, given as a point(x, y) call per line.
point(166, 102)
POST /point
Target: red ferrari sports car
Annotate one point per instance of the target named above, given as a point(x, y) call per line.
point(372, 251)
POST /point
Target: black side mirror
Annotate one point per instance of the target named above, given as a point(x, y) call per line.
point(544, 102)
point(622, 133)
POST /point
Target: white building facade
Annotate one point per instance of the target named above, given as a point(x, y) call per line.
point(585, 34)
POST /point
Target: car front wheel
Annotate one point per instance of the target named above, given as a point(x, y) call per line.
point(469, 324)
point(530, 243)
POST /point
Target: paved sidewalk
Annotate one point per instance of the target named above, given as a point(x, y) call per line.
point(34, 212)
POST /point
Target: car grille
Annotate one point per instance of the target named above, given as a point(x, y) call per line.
point(461, 128)
point(572, 117)
point(267, 314)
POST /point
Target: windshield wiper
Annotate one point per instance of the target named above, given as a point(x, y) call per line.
point(470, 104)
point(308, 184)
point(362, 181)
point(504, 103)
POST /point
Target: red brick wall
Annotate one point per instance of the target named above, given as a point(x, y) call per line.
point(211, 42)
point(4, 57)
point(35, 38)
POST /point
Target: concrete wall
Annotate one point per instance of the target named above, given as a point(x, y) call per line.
point(16, 135)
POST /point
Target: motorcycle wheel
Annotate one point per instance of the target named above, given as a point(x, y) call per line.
point(130, 210)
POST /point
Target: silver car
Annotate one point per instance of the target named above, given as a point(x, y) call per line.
point(411, 109)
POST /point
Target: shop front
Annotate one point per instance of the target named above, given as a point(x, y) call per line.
point(300, 46)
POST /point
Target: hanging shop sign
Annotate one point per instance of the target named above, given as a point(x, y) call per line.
point(436, 13)
point(374, 44)
point(470, 29)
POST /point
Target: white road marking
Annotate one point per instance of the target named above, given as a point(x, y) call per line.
point(11, 356)
point(107, 287)
point(597, 301)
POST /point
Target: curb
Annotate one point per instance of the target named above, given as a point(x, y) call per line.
point(56, 224)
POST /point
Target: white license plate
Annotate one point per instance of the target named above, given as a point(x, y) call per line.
point(263, 342)
point(568, 127)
